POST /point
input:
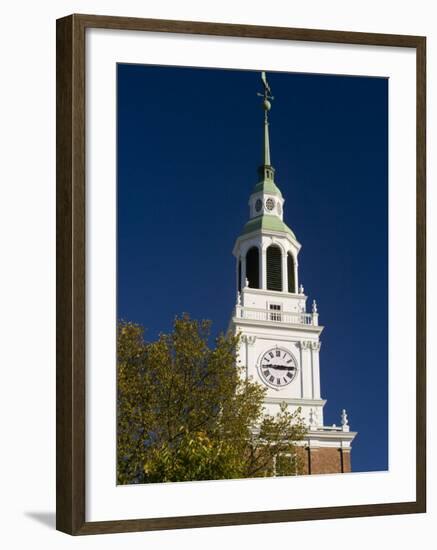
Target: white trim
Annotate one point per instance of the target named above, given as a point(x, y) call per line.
point(296, 401)
point(264, 233)
point(278, 293)
point(280, 325)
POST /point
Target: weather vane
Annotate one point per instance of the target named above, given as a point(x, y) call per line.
point(267, 95)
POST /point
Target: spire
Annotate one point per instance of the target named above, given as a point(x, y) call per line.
point(266, 135)
point(266, 204)
point(266, 171)
point(267, 95)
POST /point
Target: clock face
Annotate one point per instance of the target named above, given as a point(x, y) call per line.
point(258, 205)
point(270, 204)
point(277, 368)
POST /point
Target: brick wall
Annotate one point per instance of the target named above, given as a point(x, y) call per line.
point(324, 460)
point(346, 460)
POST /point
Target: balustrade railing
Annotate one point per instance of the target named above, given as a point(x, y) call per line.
point(275, 316)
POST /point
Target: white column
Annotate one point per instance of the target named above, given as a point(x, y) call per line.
point(301, 370)
point(243, 353)
point(263, 270)
point(248, 341)
point(243, 270)
point(260, 265)
point(247, 357)
point(305, 369)
point(296, 280)
point(284, 272)
point(315, 347)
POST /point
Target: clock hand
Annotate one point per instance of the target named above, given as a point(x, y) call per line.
point(280, 367)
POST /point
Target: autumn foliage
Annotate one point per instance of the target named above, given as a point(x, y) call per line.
point(186, 412)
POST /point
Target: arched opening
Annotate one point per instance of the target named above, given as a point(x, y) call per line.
point(239, 275)
point(252, 267)
point(290, 273)
point(274, 268)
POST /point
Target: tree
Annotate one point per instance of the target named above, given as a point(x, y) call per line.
point(186, 412)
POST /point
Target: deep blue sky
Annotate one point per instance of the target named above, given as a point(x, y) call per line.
point(189, 144)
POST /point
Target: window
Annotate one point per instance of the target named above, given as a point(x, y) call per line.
point(274, 268)
point(275, 312)
point(252, 267)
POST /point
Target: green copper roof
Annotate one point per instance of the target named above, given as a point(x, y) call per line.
point(267, 186)
point(272, 223)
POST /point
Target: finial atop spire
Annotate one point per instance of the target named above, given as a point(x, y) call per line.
point(267, 95)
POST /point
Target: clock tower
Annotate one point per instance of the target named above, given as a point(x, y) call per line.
point(280, 339)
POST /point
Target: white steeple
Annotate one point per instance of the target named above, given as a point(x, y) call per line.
point(280, 340)
point(267, 248)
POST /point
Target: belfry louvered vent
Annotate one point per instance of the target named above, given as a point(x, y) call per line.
point(290, 273)
point(274, 268)
point(252, 267)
